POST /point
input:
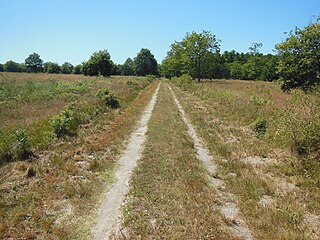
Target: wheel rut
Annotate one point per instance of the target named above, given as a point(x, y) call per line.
point(110, 211)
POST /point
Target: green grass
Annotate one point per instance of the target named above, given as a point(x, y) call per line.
point(223, 110)
point(53, 193)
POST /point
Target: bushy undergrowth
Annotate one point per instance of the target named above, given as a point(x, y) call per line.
point(260, 127)
point(14, 146)
point(109, 98)
point(64, 123)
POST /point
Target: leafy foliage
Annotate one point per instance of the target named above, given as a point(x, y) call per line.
point(145, 63)
point(260, 127)
point(109, 98)
point(63, 123)
point(127, 68)
point(99, 64)
point(196, 55)
point(22, 146)
point(50, 67)
point(66, 68)
point(34, 63)
point(299, 58)
point(11, 66)
point(77, 69)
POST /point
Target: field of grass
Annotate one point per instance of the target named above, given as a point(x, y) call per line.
point(29, 101)
point(267, 143)
point(59, 185)
point(170, 197)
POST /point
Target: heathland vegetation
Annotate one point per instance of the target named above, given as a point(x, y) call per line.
point(63, 128)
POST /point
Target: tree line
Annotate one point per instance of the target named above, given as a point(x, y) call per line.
point(296, 62)
point(99, 63)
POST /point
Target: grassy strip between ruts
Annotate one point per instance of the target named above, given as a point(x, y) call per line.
point(284, 216)
point(170, 197)
point(57, 201)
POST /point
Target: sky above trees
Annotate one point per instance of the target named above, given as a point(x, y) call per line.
point(71, 30)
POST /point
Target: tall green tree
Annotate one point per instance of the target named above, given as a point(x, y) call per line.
point(196, 54)
point(145, 63)
point(99, 64)
point(34, 63)
point(300, 57)
point(197, 51)
point(254, 60)
point(77, 69)
point(127, 68)
point(50, 67)
point(1, 67)
point(66, 68)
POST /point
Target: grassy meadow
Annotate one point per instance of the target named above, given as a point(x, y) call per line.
point(267, 144)
point(46, 194)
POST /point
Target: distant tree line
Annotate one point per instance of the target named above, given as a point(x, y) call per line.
point(99, 63)
point(296, 64)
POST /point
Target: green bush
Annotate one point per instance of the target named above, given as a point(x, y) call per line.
point(151, 78)
point(109, 98)
point(260, 127)
point(22, 145)
point(64, 123)
point(133, 84)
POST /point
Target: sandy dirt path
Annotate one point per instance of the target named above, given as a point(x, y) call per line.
point(227, 201)
point(110, 211)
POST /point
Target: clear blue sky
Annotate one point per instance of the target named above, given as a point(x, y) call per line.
point(70, 30)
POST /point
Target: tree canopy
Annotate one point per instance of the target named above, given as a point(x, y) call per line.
point(66, 68)
point(145, 63)
point(34, 63)
point(299, 54)
point(196, 55)
point(127, 68)
point(99, 64)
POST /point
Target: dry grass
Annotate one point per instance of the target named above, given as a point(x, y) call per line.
point(224, 112)
point(170, 197)
point(28, 101)
point(47, 198)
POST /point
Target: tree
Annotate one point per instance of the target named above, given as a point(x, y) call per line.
point(127, 68)
point(34, 63)
point(66, 68)
point(11, 66)
point(99, 63)
point(254, 51)
point(197, 50)
point(195, 54)
point(77, 69)
point(145, 63)
point(300, 57)
point(50, 67)
point(1, 68)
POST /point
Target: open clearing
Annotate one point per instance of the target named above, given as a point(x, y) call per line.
point(199, 170)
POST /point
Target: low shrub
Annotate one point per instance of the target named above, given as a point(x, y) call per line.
point(151, 78)
point(260, 127)
point(109, 98)
point(22, 145)
point(64, 123)
point(133, 84)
